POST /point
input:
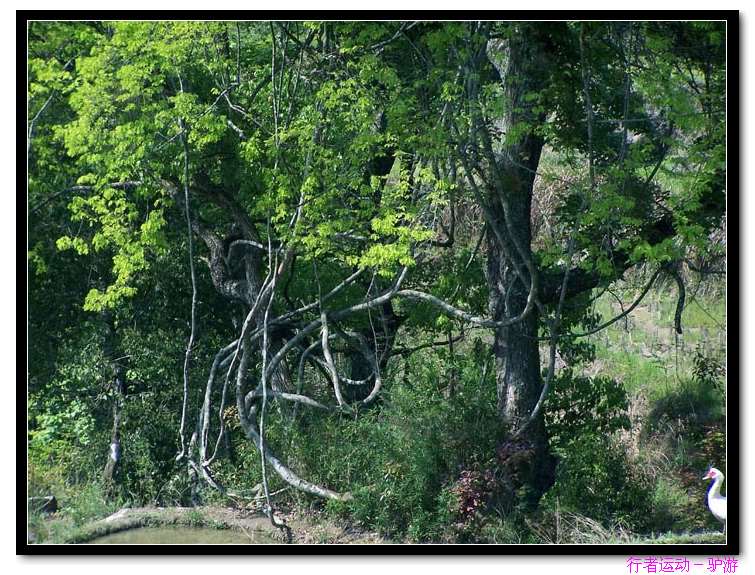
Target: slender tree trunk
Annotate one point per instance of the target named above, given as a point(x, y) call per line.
point(112, 467)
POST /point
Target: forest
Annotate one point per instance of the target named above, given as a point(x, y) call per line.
point(372, 282)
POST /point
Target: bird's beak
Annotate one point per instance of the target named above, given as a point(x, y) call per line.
point(707, 475)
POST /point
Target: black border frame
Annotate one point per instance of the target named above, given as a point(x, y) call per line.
point(733, 45)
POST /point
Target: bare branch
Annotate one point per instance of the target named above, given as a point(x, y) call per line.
point(30, 133)
point(461, 314)
point(295, 397)
point(623, 314)
point(251, 432)
point(192, 335)
point(410, 350)
point(673, 269)
point(329, 359)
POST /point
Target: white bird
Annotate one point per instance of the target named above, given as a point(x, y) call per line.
point(716, 501)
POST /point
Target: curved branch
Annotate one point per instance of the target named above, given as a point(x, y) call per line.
point(302, 361)
point(372, 360)
point(295, 397)
point(674, 271)
point(461, 314)
point(336, 316)
point(411, 350)
point(349, 280)
point(329, 359)
point(626, 312)
point(252, 434)
point(221, 278)
point(204, 415)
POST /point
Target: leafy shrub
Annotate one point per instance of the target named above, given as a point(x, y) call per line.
point(672, 507)
point(471, 496)
point(581, 406)
point(65, 413)
point(86, 502)
point(709, 368)
point(78, 504)
point(595, 478)
point(471, 489)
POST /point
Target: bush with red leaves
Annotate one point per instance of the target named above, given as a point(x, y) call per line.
point(473, 490)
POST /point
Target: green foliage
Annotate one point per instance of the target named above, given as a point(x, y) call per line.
point(594, 475)
point(196, 518)
point(78, 506)
point(673, 508)
point(677, 403)
point(60, 414)
point(693, 403)
point(580, 406)
point(596, 478)
point(87, 503)
point(709, 369)
point(401, 457)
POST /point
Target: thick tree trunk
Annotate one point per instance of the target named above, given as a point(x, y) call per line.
point(522, 63)
point(529, 466)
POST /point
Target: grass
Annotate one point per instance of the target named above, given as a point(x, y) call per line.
point(78, 506)
point(677, 412)
point(644, 351)
point(671, 538)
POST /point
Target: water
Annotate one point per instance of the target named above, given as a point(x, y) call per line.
point(183, 535)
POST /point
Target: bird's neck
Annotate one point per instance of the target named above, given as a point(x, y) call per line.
point(715, 487)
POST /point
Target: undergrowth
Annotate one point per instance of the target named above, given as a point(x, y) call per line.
point(634, 426)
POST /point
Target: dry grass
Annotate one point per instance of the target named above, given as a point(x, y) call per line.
point(562, 527)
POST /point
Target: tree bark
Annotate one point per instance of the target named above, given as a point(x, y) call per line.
point(521, 62)
point(528, 462)
point(112, 467)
